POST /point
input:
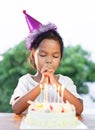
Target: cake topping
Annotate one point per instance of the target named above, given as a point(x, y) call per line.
point(51, 107)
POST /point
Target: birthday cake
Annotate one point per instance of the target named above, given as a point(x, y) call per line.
point(51, 115)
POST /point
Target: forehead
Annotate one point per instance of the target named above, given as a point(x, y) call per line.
point(49, 44)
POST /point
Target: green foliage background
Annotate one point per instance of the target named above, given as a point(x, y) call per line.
point(75, 63)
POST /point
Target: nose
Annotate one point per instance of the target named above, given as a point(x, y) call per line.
point(49, 59)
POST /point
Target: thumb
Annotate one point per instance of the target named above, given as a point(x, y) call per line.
point(46, 79)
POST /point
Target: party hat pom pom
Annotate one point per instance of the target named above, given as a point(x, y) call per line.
point(24, 11)
point(35, 28)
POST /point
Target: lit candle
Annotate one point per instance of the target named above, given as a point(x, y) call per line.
point(54, 92)
point(62, 90)
point(50, 93)
point(58, 94)
point(46, 93)
point(41, 93)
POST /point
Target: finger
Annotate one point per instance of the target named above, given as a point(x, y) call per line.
point(46, 79)
point(47, 67)
point(44, 69)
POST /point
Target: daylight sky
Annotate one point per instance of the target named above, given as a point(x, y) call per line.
point(75, 20)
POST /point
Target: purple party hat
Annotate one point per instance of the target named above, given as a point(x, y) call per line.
point(32, 23)
point(36, 28)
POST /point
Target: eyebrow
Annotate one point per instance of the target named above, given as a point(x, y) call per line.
point(42, 51)
point(46, 52)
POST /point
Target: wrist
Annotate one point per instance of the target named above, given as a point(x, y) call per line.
point(42, 86)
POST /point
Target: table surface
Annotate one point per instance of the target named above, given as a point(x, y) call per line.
point(10, 121)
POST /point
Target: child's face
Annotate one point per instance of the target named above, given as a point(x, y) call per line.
point(47, 54)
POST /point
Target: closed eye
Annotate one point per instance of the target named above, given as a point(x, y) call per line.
point(42, 55)
point(56, 56)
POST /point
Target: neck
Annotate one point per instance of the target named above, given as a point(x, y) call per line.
point(37, 77)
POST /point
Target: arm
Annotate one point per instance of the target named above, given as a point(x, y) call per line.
point(20, 104)
point(78, 103)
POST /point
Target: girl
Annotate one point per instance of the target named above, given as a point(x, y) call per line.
point(46, 51)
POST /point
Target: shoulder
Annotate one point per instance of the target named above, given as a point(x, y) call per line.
point(27, 80)
point(65, 78)
point(68, 83)
point(26, 76)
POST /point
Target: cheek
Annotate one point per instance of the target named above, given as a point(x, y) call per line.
point(56, 63)
point(39, 62)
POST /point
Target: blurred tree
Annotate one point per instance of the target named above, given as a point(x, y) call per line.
point(75, 63)
point(12, 66)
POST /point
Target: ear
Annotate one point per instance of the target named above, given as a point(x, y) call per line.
point(32, 55)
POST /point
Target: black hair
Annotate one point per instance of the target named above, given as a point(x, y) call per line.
point(50, 34)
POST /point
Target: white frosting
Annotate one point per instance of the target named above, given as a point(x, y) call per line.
point(52, 115)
